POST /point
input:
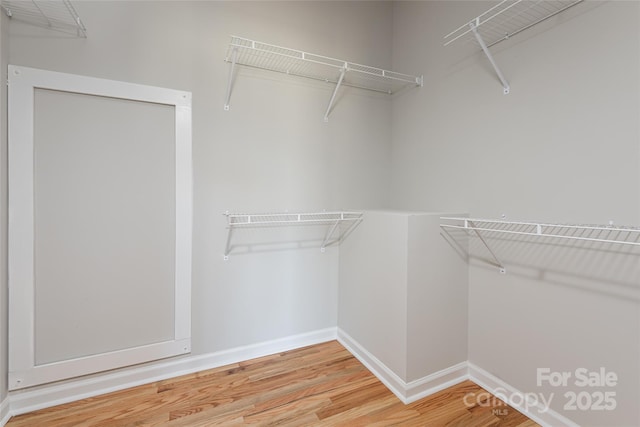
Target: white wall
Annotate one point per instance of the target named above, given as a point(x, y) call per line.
point(437, 303)
point(563, 146)
point(4, 54)
point(271, 152)
point(374, 290)
point(403, 294)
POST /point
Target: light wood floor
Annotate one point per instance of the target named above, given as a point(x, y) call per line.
point(321, 385)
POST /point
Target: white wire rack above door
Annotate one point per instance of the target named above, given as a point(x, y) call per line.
point(339, 224)
point(56, 15)
point(280, 59)
point(505, 20)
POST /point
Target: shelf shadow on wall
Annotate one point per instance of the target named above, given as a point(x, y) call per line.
point(610, 269)
point(246, 248)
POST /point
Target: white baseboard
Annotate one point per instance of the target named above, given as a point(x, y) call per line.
point(406, 392)
point(437, 381)
point(4, 411)
point(515, 398)
point(23, 401)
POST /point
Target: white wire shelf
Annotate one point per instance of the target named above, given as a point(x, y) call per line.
point(620, 235)
point(251, 53)
point(503, 21)
point(592, 233)
point(334, 235)
point(57, 15)
point(508, 18)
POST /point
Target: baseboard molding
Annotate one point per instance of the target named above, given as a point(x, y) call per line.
point(23, 401)
point(437, 381)
point(4, 411)
point(515, 398)
point(406, 392)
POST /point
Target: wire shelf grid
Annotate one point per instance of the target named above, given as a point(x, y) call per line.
point(57, 15)
point(340, 224)
point(506, 19)
point(303, 64)
point(624, 235)
point(287, 219)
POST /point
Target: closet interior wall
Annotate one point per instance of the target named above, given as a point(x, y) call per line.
point(4, 54)
point(562, 147)
point(270, 153)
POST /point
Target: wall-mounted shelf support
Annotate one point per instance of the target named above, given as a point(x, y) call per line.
point(280, 59)
point(470, 225)
point(344, 222)
point(232, 69)
point(487, 52)
point(629, 236)
point(504, 20)
point(329, 235)
point(335, 92)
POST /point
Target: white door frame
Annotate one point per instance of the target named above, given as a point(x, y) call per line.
point(23, 372)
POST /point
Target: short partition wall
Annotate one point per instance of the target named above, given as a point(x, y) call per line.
point(403, 301)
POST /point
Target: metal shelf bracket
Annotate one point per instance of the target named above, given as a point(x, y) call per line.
point(343, 71)
point(234, 56)
point(469, 225)
point(505, 84)
point(328, 241)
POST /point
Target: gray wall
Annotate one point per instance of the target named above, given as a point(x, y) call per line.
point(4, 54)
point(399, 285)
point(374, 289)
point(437, 300)
point(271, 152)
point(96, 231)
point(563, 147)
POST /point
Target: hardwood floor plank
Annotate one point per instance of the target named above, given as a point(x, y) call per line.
point(314, 388)
point(206, 418)
point(286, 414)
point(213, 414)
point(321, 385)
point(361, 413)
point(355, 399)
